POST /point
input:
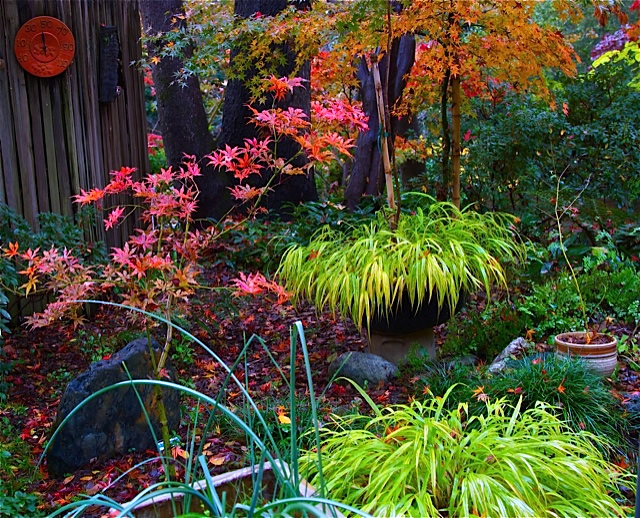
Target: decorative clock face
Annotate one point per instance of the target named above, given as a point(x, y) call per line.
point(44, 46)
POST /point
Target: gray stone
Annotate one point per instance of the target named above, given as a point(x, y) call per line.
point(361, 367)
point(516, 349)
point(632, 403)
point(399, 347)
point(469, 360)
point(112, 423)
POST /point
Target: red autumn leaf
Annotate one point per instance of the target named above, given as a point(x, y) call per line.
point(113, 217)
point(383, 398)
point(88, 197)
point(12, 251)
point(339, 390)
point(265, 387)
point(622, 462)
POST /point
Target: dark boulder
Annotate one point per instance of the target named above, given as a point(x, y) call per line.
point(363, 367)
point(112, 423)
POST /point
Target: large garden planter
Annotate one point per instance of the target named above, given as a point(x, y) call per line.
point(398, 347)
point(406, 331)
point(601, 357)
point(238, 486)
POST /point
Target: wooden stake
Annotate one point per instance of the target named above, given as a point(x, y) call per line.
point(455, 137)
point(384, 149)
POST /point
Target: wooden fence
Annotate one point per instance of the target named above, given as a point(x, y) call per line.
point(56, 136)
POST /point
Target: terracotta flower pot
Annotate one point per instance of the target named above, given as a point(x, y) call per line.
point(601, 356)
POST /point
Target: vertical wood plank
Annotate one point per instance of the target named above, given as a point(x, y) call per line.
point(54, 137)
point(8, 152)
point(50, 146)
point(22, 124)
point(37, 141)
point(3, 198)
point(63, 153)
point(70, 107)
point(136, 121)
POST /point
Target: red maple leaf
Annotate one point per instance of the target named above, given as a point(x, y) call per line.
point(113, 217)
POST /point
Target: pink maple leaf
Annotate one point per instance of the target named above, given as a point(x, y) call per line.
point(114, 217)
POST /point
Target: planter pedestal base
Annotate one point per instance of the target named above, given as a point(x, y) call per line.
point(396, 347)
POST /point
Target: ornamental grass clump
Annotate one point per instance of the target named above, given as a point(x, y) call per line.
point(439, 251)
point(579, 397)
point(423, 459)
point(190, 489)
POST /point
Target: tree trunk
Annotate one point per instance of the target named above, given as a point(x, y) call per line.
point(181, 115)
point(236, 116)
point(367, 175)
point(455, 140)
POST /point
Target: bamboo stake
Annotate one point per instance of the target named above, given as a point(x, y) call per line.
point(384, 148)
point(455, 155)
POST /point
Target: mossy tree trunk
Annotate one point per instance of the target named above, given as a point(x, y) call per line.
point(181, 115)
point(236, 115)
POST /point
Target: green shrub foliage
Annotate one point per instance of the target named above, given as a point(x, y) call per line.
point(579, 397)
point(424, 459)
point(436, 252)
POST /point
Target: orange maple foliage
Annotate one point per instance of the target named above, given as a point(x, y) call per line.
point(486, 44)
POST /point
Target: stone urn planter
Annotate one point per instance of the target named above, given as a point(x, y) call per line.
point(407, 330)
point(371, 272)
point(600, 354)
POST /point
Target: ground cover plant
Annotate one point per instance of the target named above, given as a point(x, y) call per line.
point(580, 398)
